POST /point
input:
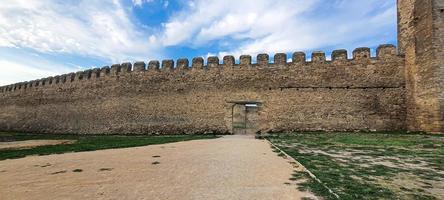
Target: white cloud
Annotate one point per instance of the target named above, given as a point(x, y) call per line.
point(105, 29)
point(139, 3)
point(255, 26)
point(166, 3)
point(13, 71)
point(89, 27)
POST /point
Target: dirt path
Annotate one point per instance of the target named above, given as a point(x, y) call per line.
point(28, 144)
point(231, 167)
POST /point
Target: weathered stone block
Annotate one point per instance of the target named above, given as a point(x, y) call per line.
point(126, 67)
point(318, 57)
point(361, 53)
point(115, 69)
point(245, 60)
point(197, 63)
point(167, 65)
point(213, 62)
point(229, 61)
point(95, 73)
point(280, 58)
point(139, 66)
point(263, 59)
point(182, 64)
point(105, 71)
point(339, 55)
point(386, 51)
point(299, 58)
point(154, 65)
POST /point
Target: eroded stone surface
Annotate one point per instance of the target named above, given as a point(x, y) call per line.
point(421, 33)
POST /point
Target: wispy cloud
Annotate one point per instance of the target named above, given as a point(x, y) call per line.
point(254, 26)
point(89, 27)
point(139, 3)
point(28, 71)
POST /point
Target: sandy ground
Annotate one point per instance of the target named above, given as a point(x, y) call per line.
point(27, 144)
point(232, 167)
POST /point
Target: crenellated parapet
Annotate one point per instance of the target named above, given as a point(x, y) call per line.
point(384, 53)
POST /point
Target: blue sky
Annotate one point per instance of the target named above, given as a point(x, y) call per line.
point(40, 38)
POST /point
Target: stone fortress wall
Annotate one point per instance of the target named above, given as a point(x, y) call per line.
point(399, 89)
point(421, 40)
point(362, 93)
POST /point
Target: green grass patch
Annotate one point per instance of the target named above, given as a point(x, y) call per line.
point(369, 165)
point(87, 142)
point(312, 185)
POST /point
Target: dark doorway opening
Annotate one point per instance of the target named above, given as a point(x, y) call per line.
point(244, 117)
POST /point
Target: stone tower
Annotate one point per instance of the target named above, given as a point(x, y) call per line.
point(421, 41)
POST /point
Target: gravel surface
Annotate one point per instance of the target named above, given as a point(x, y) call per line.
point(231, 167)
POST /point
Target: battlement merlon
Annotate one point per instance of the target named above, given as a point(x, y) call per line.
point(153, 65)
point(197, 63)
point(139, 66)
point(182, 64)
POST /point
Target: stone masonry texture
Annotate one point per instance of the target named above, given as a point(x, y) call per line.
point(421, 41)
point(399, 89)
point(362, 93)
